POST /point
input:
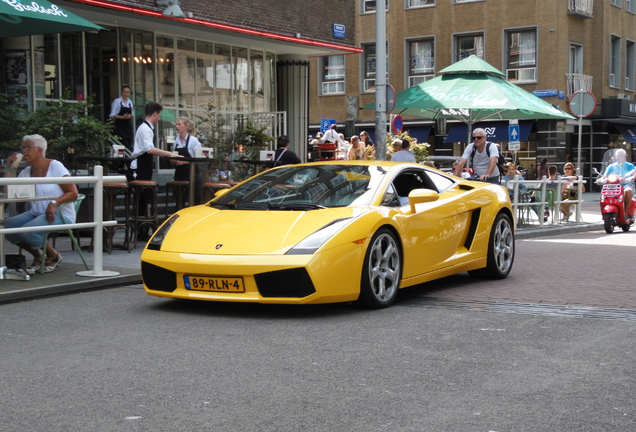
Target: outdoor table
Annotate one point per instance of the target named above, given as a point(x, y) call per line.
point(107, 159)
point(5, 273)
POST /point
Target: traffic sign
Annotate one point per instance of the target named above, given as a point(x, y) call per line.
point(325, 124)
point(513, 132)
point(390, 98)
point(582, 103)
point(397, 123)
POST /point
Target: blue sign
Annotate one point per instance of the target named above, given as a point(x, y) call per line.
point(325, 124)
point(513, 133)
point(397, 124)
point(339, 31)
point(561, 94)
point(545, 93)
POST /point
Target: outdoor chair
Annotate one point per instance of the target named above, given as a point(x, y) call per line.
point(55, 229)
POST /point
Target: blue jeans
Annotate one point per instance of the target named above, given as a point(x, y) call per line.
point(27, 219)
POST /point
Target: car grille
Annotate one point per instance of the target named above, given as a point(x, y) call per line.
point(285, 283)
point(158, 278)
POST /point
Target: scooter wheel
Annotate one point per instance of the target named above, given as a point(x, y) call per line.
point(609, 222)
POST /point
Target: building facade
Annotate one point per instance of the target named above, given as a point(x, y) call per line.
point(248, 61)
point(551, 48)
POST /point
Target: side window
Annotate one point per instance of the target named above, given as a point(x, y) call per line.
point(441, 182)
point(390, 198)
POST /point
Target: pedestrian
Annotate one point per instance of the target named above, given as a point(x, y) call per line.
point(332, 136)
point(484, 157)
point(283, 155)
point(404, 155)
point(357, 150)
point(144, 148)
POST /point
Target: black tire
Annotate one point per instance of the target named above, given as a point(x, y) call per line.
point(382, 271)
point(626, 227)
point(609, 222)
point(501, 250)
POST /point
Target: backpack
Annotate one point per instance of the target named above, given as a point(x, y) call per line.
point(501, 162)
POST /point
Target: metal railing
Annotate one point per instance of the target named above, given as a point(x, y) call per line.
point(98, 205)
point(518, 204)
point(581, 7)
point(578, 82)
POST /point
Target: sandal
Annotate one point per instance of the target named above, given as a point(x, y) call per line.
point(37, 263)
point(52, 264)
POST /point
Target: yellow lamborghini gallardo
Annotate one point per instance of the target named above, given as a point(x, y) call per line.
point(334, 231)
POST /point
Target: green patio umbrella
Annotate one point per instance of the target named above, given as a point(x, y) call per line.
point(472, 90)
point(32, 17)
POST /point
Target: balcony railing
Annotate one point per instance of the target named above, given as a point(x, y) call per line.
point(578, 82)
point(583, 8)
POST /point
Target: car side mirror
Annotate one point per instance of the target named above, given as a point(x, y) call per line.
point(419, 196)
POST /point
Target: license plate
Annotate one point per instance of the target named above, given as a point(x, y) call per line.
point(212, 283)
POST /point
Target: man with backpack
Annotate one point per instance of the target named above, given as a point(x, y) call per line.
point(484, 156)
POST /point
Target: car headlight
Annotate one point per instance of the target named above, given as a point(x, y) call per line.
point(312, 242)
point(160, 235)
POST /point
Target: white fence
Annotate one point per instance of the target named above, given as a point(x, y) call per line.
point(522, 205)
point(98, 224)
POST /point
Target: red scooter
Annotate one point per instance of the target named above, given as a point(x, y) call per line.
point(613, 203)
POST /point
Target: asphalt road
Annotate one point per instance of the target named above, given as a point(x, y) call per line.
point(455, 355)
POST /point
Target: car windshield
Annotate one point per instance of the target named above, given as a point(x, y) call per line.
point(298, 187)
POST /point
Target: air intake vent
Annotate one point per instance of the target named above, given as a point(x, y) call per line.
point(158, 278)
point(285, 283)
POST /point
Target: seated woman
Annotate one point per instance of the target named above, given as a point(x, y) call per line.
point(569, 191)
point(42, 212)
point(513, 174)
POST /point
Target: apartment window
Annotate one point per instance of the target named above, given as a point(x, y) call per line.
point(576, 59)
point(630, 6)
point(412, 4)
point(521, 56)
point(368, 68)
point(368, 6)
point(629, 65)
point(421, 60)
point(617, 2)
point(332, 75)
point(615, 61)
point(469, 44)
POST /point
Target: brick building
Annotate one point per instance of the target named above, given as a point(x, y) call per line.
point(552, 48)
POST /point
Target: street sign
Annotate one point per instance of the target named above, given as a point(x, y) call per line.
point(325, 124)
point(397, 124)
point(582, 103)
point(513, 133)
point(514, 146)
point(339, 31)
point(390, 98)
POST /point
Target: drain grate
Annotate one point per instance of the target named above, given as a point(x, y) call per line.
point(527, 308)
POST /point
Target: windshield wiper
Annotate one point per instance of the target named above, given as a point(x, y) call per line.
point(296, 206)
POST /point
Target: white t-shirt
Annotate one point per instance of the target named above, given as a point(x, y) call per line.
point(56, 169)
point(193, 143)
point(403, 156)
point(481, 161)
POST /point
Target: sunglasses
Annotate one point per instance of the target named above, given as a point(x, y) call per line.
point(477, 137)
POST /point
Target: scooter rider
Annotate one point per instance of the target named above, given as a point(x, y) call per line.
point(625, 172)
point(484, 161)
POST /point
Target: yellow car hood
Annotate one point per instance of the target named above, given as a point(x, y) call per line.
point(206, 230)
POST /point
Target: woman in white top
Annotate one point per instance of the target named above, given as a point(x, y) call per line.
point(185, 145)
point(42, 212)
point(121, 111)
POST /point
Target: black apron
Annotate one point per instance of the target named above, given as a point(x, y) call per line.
point(123, 127)
point(182, 172)
point(144, 162)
